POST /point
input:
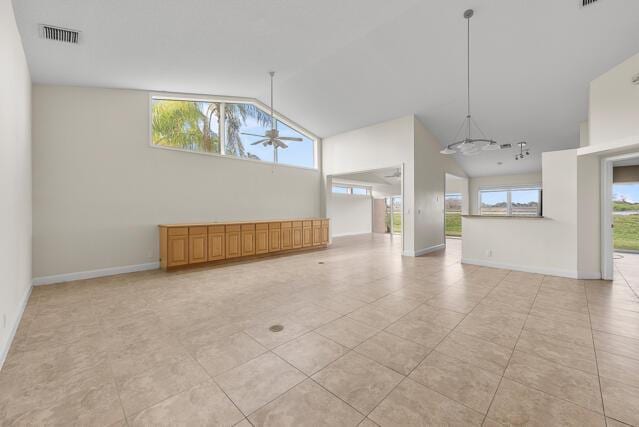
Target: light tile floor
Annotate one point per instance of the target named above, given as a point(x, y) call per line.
point(369, 337)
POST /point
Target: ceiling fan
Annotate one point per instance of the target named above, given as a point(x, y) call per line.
point(395, 174)
point(272, 136)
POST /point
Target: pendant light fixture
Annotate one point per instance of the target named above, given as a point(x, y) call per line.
point(469, 146)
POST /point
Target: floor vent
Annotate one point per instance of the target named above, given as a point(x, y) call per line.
point(588, 2)
point(58, 34)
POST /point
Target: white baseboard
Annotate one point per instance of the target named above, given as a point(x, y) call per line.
point(351, 234)
point(525, 268)
point(5, 351)
point(81, 275)
point(424, 251)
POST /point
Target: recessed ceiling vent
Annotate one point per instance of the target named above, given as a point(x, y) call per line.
point(505, 146)
point(58, 34)
point(587, 2)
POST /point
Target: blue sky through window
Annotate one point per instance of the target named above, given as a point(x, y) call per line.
point(629, 192)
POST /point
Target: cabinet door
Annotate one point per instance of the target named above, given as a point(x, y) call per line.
point(233, 244)
point(274, 240)
point(178, 250)
point(197, 248)
point(308, 236)
point(317, 235)
point(216, 246)
point(248, 242)
point(298, 240)
point(261, 241)
point(324, 234)
point(286, 240)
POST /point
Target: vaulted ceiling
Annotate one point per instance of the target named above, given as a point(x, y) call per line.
point(347, 64)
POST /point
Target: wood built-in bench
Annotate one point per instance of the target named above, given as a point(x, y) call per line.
point(193, 244)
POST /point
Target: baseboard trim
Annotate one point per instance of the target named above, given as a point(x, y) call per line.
point(5, 351)
point(351, 234)
point(81, 275)
point(424, 251)
point(572, 274)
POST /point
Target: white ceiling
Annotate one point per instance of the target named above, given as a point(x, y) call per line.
point(348, 64)
point(376, 176)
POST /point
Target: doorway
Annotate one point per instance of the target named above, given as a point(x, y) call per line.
point(393, 218)
point(455, 205)
point(620, 210)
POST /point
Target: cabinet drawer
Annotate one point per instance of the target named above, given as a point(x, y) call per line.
point(193, 231)
point(261, 226)
point(232, 228)
point(287, 224)
point(325, 222)
point(297, 223)
point(317, 222)
point(178, 231)
point(274, 225)
point(216, 229)
point(308, 224)
point(248, 227)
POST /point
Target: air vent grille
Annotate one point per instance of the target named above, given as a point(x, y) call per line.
point(588, 2)
point(505, 146)
point(64, 35)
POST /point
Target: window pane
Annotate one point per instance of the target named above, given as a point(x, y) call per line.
point(453, 202)
point(247, 118)
point(340, 190)
point(494, 202)
point(524, 202)
point(188, 125)
point(298, 153)
point(360, 191)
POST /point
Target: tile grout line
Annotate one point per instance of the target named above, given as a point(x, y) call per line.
point(503, 374)
point(594, 349)
point(433, 349)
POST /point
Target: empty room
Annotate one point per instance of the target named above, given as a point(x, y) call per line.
point(319, 213)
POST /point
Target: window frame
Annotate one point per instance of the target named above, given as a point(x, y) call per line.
point(349, 190)
point(509, 190)
point(170, 96)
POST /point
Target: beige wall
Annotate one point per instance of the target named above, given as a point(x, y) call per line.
point(614, 105)
point(15, 178)
point(100, 190)
point(622, 174)
point(496, 181)
point(351, 215)
point(379, 215)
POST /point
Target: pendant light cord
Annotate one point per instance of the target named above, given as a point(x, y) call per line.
point(468, 72)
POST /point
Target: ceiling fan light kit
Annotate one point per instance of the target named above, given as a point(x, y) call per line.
point(470, 146)
point(272, 136)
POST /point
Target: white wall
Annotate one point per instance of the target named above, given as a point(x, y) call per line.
point(100, 190)
point(351, 214)
point(553, 245)
point(15, 178)
point(430, 184)
point(614, 105)
point(497, 181)
point(384, 145)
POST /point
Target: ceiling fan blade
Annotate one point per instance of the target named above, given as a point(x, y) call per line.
point(280, 144)
point(290, 138)
point(259, 142)
point(252, 134)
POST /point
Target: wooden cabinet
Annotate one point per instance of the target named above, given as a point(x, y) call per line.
point(182, 245)
point(198, 242)
point(298, 235)
point(325, 236)
point(248, 239)
point(317, 233)
point(274, 230)
point(216, 243)
point(286, 239)
point(307, 232)
point(261, 238)
point(233, 241)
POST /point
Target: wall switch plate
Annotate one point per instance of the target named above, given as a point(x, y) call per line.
point(4, 321)
point(489, 252)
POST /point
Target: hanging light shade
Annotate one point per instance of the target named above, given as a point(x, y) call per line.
point(469, 145)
